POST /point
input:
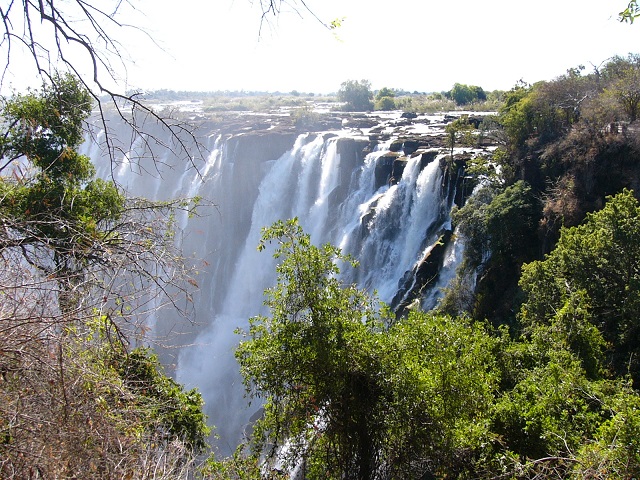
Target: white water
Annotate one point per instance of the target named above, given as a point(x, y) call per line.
point(386, 230)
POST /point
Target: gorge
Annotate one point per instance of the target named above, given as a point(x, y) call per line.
point(381, 187)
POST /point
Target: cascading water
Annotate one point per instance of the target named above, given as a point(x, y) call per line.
point(332, 191)
point(391, 226)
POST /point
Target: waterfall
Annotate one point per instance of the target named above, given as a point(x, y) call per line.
point(391, 226)
point(254, 181)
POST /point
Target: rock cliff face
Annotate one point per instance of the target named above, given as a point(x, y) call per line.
point(379, 187)
point(424, 273)
point(250, 152)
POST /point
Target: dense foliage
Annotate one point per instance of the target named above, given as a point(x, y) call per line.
point(350, 392)
point(385, 99)
point(594, 271)
point(464, 94)
point(347, 395)
point(356, 95)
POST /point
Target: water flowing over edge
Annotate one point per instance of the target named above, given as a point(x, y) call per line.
point(390, 228)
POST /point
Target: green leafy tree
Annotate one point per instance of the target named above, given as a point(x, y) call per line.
point(479, 92)
point(555, 407)
point(385, 92)
point(56, 192)
point(385, 103)
point(464, 94)
point(540, 114)
point(443, 377)
point(314, 362)
point(537, 113)
point(356, 94)
point(242, 464)
point(347, 397)
point(626, 90)
point(53, 210)
point(66, 224)
point(517, 116)
point(600, 261)
point(385, 99)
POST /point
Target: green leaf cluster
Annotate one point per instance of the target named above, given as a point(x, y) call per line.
point(177, 413)
point(594, 272)
point(356, 94)
point(630, 13)
point(46, 127)
point(50, 196)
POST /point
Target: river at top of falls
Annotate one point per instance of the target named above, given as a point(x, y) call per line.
point(387, 228)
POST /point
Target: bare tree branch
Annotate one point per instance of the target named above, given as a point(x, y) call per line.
point(273, 8)
point(49, 30)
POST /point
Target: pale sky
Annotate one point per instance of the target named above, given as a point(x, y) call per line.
point(422, 45)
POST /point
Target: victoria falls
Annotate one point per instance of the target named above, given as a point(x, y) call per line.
point(373, 283)
point(381, 188)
